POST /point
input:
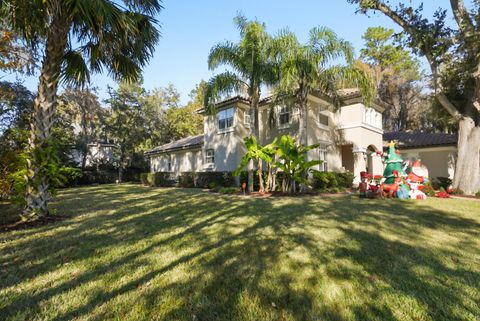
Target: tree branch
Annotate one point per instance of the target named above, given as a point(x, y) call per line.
point(449, 107)
point(442, 98)
point(462, 17)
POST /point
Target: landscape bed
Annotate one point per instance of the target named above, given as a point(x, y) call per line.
point(130, 252)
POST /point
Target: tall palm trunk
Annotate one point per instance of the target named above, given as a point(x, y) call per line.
point(303, 119)
point(255, 98)
point(38, 182)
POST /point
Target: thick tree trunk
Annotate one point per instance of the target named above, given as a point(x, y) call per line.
point(467, 170)
point(38, 183)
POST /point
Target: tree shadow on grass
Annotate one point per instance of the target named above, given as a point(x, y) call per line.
point(263, 259)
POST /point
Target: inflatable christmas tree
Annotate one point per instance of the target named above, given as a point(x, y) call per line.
point(393, 162)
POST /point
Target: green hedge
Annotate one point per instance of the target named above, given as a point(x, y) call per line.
point(189, 179)
point(213, 179)
point(329, 180)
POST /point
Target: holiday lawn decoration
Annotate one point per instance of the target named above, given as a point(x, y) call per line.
point(416, 180)
point(393, 175)
point(369, 186)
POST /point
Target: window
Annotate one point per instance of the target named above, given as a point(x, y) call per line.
point(284, 116)
point(323, 157)
point(225, 118)
point(323, 119)
point(247, 118)
point(209, 156)
point(169, 164)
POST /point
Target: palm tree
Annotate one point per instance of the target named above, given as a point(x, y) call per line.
point(76, 38)
point(250, 69)
point(307, 68)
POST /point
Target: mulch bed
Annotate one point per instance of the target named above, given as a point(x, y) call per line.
point(22, 225)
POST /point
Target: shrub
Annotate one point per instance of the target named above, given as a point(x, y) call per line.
point(457, 191)
point(163, 179)
point(187, 179)
point(229, 190)
point(328, 180)
point(428, 189)
point(439, 182)
point(144, 178)
point(89, 177)
point(477, 194)
point(208, 179)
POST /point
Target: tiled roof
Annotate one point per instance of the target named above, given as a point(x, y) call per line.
point(420, 139)
point(184, 143)
point(346, 93)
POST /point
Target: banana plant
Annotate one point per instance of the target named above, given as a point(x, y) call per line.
point(293, 163)
point(258, 154)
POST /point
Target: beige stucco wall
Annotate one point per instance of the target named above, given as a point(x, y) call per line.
point(346, 127)
point(227, 145)
point(440, 161)
point(181, 161)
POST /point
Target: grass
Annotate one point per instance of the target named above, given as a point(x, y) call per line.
point(137, 253)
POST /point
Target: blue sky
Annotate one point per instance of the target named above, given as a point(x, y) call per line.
point(190, 28)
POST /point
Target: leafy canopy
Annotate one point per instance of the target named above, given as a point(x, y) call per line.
point(248, 61)
point(118, 36)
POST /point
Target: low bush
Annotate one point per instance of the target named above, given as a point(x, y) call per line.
point(229, 190)
point(457, 191)
point(90, 177)
point(144, 178)
point(163, 179)
point(439, 182)
point(477, 194)
point(187, 179)
point(428, 189)
point(207, 179)
point(329, 180)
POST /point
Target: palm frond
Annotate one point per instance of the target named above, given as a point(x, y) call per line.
point(337, 77)
point(74, 70)
point(220, 85)
point(226, 53)
point(328, 46)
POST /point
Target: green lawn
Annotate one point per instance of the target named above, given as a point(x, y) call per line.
point(137, 253)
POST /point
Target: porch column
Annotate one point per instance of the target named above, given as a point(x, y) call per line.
point(359, 163)
point(377, 164)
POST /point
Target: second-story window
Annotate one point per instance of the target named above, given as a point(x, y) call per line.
point(323, 119)
point(284, 116)
point(225, 118)
point(247, 118)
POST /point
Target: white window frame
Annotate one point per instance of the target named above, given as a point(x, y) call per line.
point(209, 156)
point(224, 115)
point(320, 124)
point(282, 110)
point(323, 156)
point(169, 164)
point(247, 118)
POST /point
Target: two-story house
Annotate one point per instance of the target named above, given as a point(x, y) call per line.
point(349, 136)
